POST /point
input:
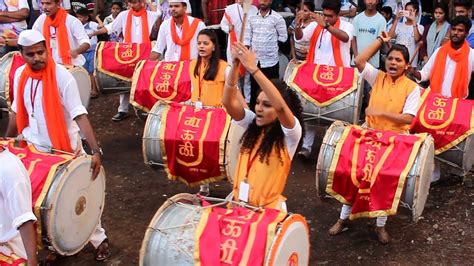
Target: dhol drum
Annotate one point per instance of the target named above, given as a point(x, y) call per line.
point(83, 83)
point(283, 63)
point(417, 184)
point(460, 156)
point(346, 109)
point(151, 144)
point(170, 237)
point(108, 84)
point(5, 68)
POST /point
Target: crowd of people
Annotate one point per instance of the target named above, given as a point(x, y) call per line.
point(394, 53)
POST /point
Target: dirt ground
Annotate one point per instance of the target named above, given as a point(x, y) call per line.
point(135, 192)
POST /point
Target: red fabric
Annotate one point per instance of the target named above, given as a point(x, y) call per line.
point(128, 26)
point(336, 45)
point(17, 61)
point(147, 88)
point(215, 10)
point(10, 261)
point(448, 120)
point(233, 39)
point(192, 139)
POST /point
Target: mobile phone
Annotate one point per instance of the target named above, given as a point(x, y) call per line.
point(406, 13)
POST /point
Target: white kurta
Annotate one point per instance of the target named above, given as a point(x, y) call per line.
point(119, 25)
point(76, 36)
point(15, 203)
point(173, 50)
point(71, 103)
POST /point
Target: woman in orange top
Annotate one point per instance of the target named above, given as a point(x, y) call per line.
point(272, 136)
point(392, 106)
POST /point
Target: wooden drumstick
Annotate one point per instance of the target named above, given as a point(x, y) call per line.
point(246, 4)
point(420, 43)
point(302, 5)
point(99, 21)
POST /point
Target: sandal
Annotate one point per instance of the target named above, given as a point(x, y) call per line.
point(382, 235)
point(102, 252)
point(338, 227)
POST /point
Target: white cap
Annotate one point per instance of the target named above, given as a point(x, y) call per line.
point(179, 1)
point(30, 37)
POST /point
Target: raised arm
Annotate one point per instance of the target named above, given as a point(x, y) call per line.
point(366, 54)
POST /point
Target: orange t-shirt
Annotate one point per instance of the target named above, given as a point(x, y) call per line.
point(211, 90)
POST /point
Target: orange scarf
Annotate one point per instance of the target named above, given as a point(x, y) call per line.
point(59, 23)
point(185, 41)
point(233, 39)
point(52, 108)
point(128, 27)
point(461, 74)
point(336, 46)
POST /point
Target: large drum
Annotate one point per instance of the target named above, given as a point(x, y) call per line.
point(347, 108)
point(108, 84)
point(83, 83)
point(73, 207)
point(460, 156)
point(170, 237)
point(417, 183)
point(152, 149)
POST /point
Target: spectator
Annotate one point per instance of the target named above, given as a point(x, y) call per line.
point(13, 16)
point(116, 8)
point(299, 48)
point(437, 33)
point(464, 8)
point(387, 13)
point(78, 4)
point(348, 11)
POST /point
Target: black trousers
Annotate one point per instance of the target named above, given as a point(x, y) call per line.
point(271, 73)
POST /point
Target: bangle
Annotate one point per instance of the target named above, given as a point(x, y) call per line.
point(230, 85)
point(380, 38)
point(254, 72)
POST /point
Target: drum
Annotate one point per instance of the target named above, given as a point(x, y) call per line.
point(417, 183)
point(283, 63)
point(5, 67)
point(83, 83)
point(460, 156)
point(108, 84)
point(346, 109)
point(151, 144)
point(170, 237)
point(72, 207)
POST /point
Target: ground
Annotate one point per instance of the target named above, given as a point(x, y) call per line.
point(136, 191)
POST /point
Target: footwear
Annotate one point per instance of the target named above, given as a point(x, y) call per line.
point(102, 252)
point(338, 227)
point(119, 116)
point(382, 235)
point(305, 153)
point(94, 95)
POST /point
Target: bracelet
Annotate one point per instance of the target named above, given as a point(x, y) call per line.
point(230, 85)
point(254, 72)
point(380, 38)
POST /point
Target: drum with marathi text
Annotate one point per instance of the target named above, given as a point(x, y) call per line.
point(417, 178)
point(327, 93)
point(182, 233)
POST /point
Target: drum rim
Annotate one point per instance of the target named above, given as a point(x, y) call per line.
point(231, 132)
point(156, 111)
point(47, 215)
point(79, 69)
point(4, 73)
point(469, 143)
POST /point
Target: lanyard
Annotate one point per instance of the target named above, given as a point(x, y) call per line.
point(200, 80)
point(33, 96)
point(250, 162)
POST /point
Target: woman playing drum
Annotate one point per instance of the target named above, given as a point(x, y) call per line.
point(272, 136)
point(392, 106)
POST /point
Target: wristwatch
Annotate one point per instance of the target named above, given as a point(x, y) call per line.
point(326, 26)
point(98, 150)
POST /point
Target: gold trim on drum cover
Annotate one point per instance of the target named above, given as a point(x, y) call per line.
point(151, 87)
point(223, 148)
point(459, 139)
point(117, 57)
point(294, 86)
point(197, 234)
point(200, 141)
point(7, 77)
point(136, 76)
point(271, 232)
point(100, 68)
point(445, 123)
point(251, 239)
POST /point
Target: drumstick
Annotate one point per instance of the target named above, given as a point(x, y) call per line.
point(420, 43)
point(51, 149)
point(246, 4)
point(302, 5)
point(99, 21)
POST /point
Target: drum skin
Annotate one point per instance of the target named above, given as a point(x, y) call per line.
point(461, 155)
point(72, 207)
point(170, 237)
point(417, 183)
point(5, 63)
point(108, 84)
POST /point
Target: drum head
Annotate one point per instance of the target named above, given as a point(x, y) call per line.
point(283, 63)
point(83, 83)
point(151, 144)
point(169, 239)
point(74, 204)
point(288, 72)
point(291, 243)
point(232, 150)
point(5, 65)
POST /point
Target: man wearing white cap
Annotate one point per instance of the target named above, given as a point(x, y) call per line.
point(136, 25)
point(64, 34)
point(178, 34)
point(48, 112)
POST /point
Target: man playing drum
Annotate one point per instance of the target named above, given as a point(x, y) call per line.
point(17, 234)
point(393, 105)
point(330, 44)
point(52, 117)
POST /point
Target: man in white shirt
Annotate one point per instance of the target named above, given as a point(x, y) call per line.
point(172, 31)
point(77, 39)
point(120, 25)
point(17, 231)
point(13, 16)
point(34, 120)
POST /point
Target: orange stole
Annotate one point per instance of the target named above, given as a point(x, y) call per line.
point(119, 59)
point(235, 236)
point(448, 120)
point(41, 168)
point(11, 260)
point(267, 181)
point(154, 81)
point(323, 85)
point(369, 169)
point(17, 61)
point(192, 141)
point(211, 90)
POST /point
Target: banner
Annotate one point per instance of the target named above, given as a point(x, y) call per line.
point(118, 59)
point(41, 169)
point(323, 85)
point(369, 169)
point(17, 61)
point(235, 236)
point(11, 260)
point(154, 81)
point(448, 120)
point(193, 142)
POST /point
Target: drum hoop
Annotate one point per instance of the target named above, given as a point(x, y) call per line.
point(58, 183)
point(146, 131)
point(6, 74)
point(465, 158)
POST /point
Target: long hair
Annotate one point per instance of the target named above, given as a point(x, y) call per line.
point(213, 67)
point(274, 136)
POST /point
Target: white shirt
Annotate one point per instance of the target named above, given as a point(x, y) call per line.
point(449, 70)
point(405, 35)
point(120, 25)
point(15, 202)
point(76, 36)
point(292, 135)
point(370, 74)
point(323, 53)
point(91, 27)
point(71, 103)
point(173, 50)
point(236, 14)
point(11, 6)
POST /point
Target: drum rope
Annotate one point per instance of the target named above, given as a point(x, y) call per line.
point(449, 163)
point(173, 242)
point(50, 149)
point(406, 205)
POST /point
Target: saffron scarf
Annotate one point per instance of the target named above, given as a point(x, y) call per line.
point(52, 107)
point(128, 27)
point(336, 46)
point(459, 88)
point(59, 23)
point(187, 35)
